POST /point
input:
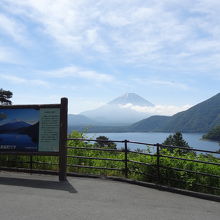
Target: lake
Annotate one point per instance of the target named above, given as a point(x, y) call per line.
point(194, 139)
point(18, 142)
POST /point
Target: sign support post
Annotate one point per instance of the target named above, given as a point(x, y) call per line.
point(63, 140)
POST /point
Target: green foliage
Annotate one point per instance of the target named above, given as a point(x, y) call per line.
point(213, 134)
point(178, 141)
point(103, 141)
point(5, 96)
point(141, 172)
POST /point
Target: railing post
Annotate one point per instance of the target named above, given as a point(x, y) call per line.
point(158, 162)
point(126, 158)
point(31, 163)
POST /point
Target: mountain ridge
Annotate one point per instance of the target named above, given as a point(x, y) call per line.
point(199, 118)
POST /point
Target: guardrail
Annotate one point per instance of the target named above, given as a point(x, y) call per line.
point(160, 169)
point(196, 170)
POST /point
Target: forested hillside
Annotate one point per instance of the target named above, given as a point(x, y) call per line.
point(213, 134)
point(199, 118)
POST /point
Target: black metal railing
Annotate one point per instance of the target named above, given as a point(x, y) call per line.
point(196, 170)
point(158, 167)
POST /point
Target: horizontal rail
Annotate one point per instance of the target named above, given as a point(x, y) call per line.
point(141, 143)
point(142, 153)
point(98, 149)
point(190, 171)
point(29, 162)
point(185, 159)
point(92, 140)
point(196, 184)
point(115, 141)
point(95, 158)
point(142, 173)
point(206, 186)
point(25, 170)
point(45, 163)
point(14, 161)
point(91, 167)
point(189, 149)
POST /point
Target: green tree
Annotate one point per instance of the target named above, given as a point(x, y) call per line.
point(213, 134)
point(103, 141)
point(5, 96)
point(178, 141)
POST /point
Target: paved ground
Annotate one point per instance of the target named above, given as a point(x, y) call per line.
point(27, 197)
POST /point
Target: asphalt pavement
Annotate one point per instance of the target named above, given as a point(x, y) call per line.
point(33, 197)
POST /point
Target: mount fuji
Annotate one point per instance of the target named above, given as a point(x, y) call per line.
point(119, 111)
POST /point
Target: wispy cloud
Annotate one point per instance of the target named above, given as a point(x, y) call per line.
point(162, 83)
point(13, 29)
point(19, 80)
point(139, 32)
point(69, 23)
point(170, 84)
point(158, 109)
point(78, 72)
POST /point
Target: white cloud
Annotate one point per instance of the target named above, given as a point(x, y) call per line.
point(20, 80)
point(70, 23)
point(14, 29)
point(34, 98)
point(168, 32)
point(158, 109)
point(77, 72)
point(170, 84)
point(164, 83)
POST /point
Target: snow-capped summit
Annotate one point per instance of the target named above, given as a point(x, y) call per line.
point(130, 98)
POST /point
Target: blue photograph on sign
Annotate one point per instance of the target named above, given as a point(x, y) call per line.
point(19, 129)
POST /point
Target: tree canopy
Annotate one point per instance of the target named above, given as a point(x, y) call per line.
point(103, 141)
point(213, 134)
point(176, 140)
point(5, 96)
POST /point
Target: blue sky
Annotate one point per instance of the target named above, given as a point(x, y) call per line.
point(92, 51)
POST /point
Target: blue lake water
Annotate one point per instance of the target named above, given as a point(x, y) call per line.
point(194, 139)
point(20, 141)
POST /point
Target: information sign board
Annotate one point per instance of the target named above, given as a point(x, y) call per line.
point(30, 129)
point(35, 130)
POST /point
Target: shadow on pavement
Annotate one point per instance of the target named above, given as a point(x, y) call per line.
point(43, 184)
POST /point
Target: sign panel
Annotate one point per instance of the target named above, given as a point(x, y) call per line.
point(49, 129)
point(29, 129)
